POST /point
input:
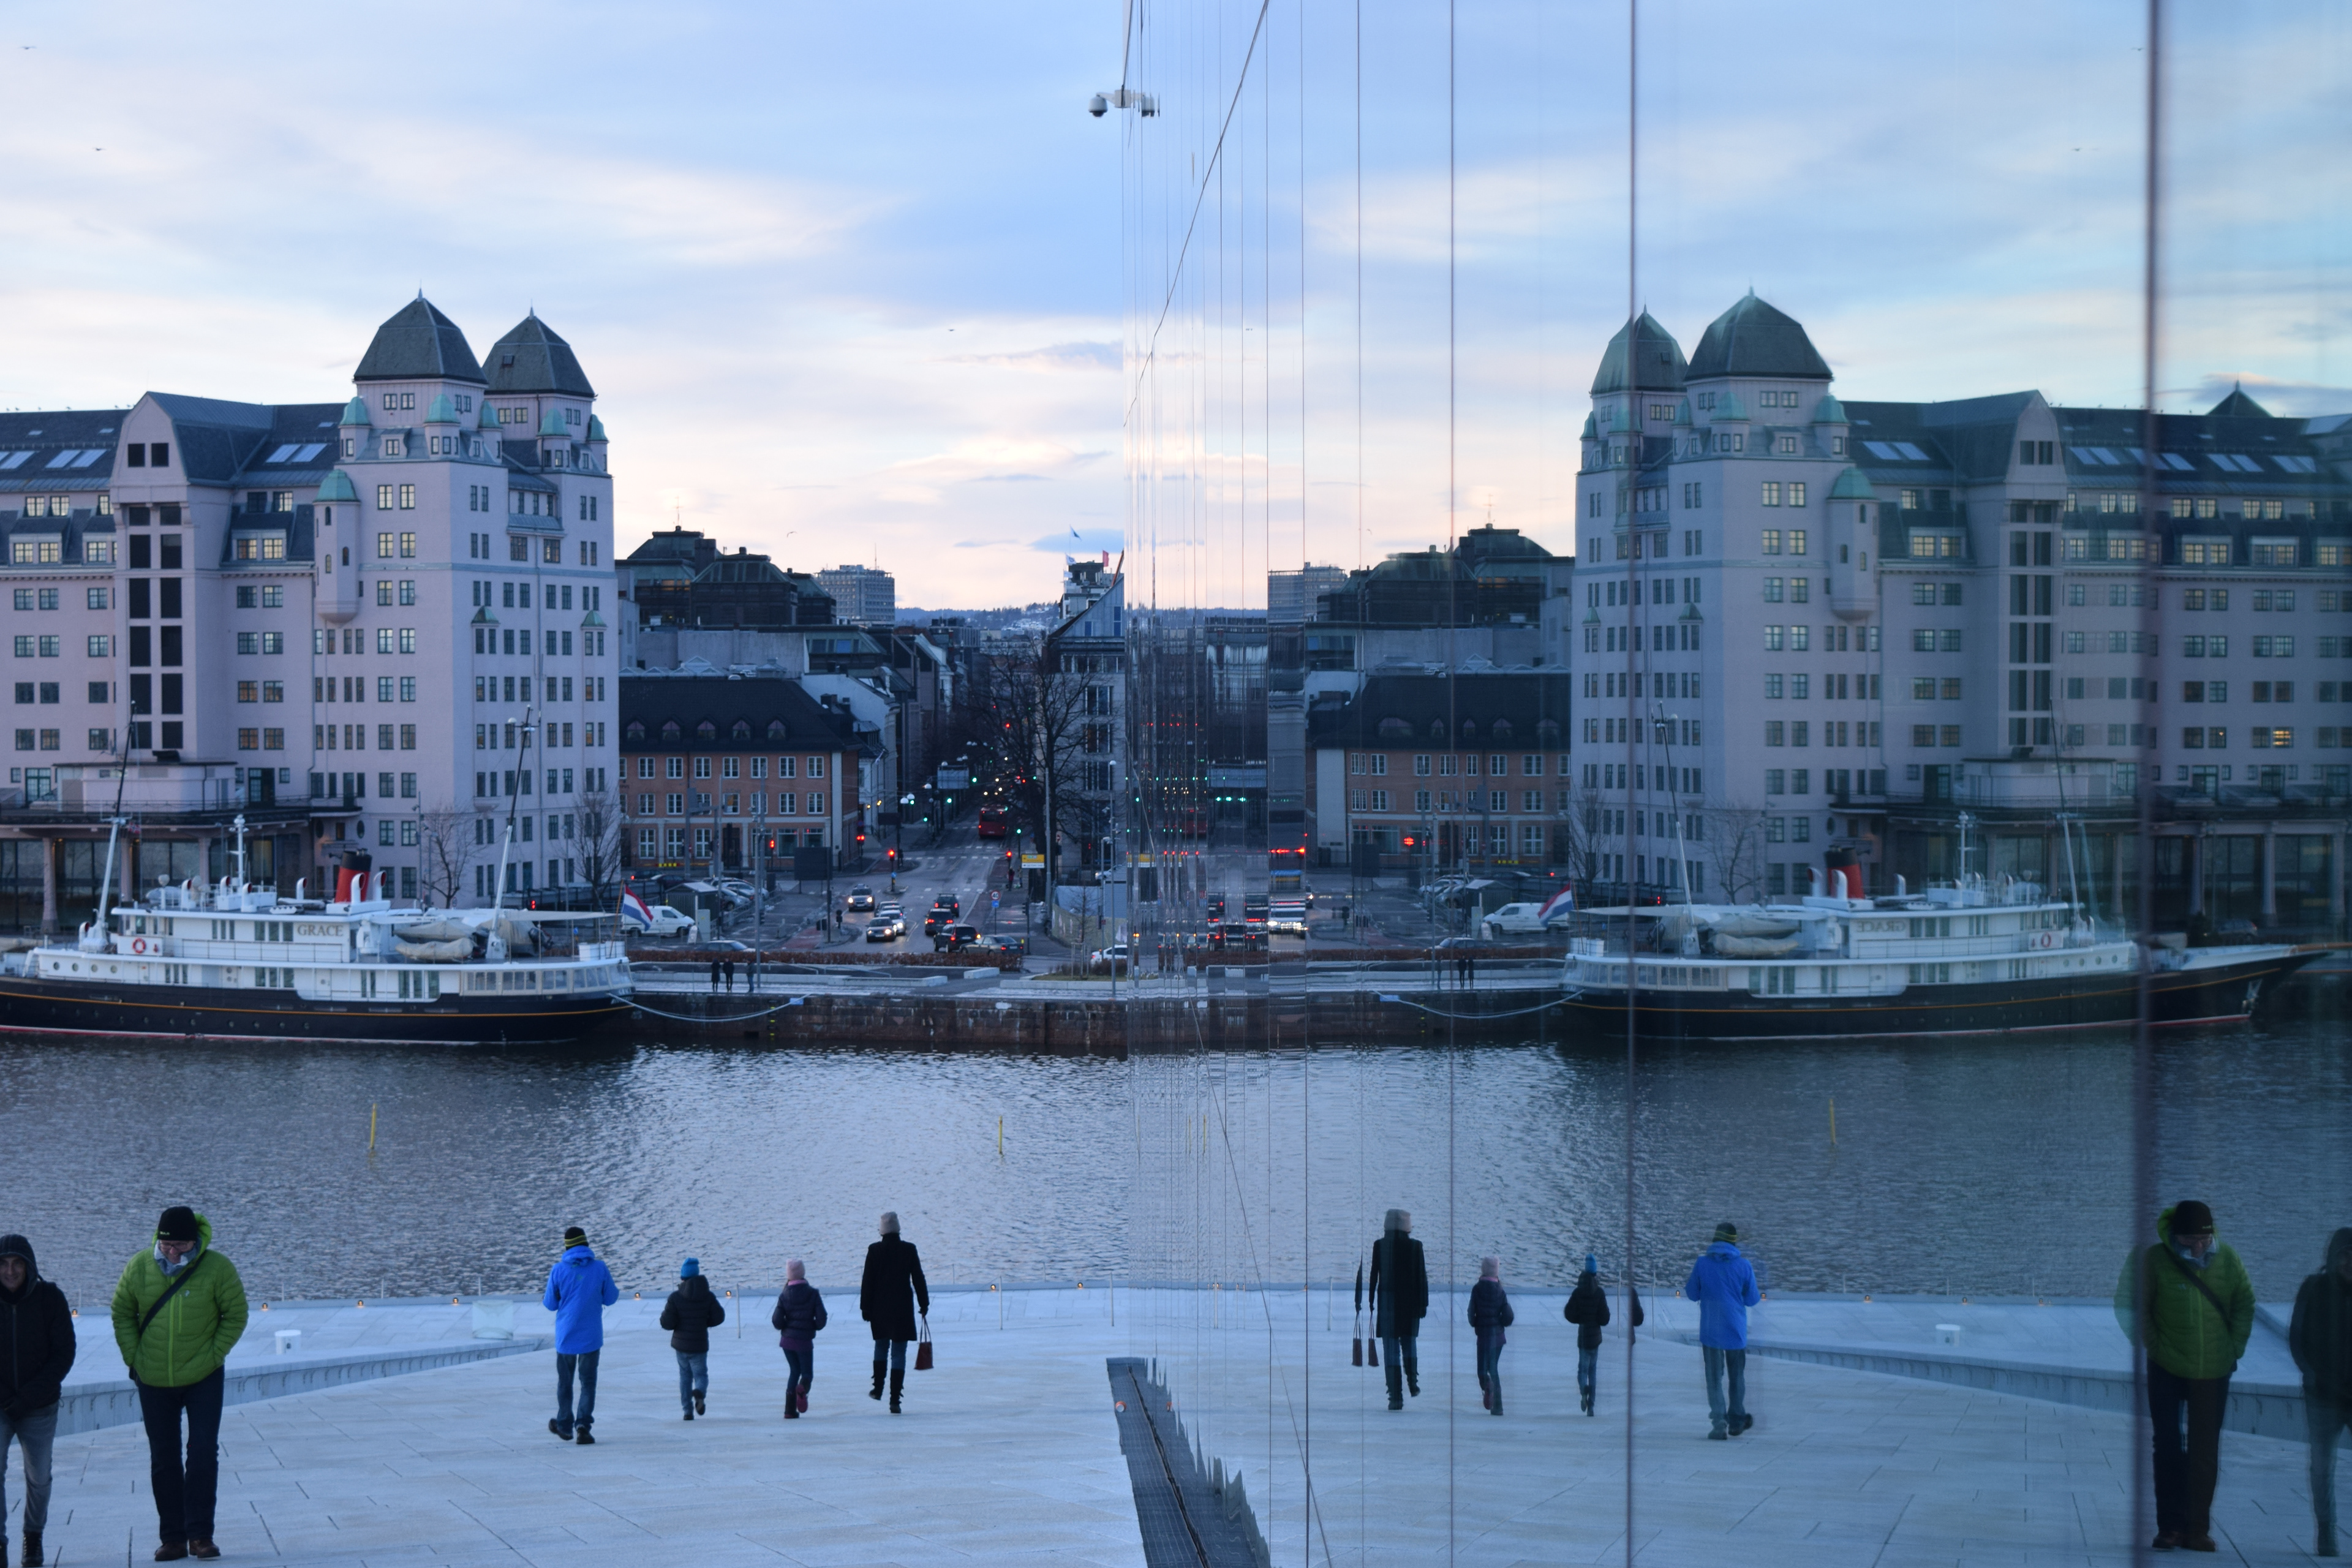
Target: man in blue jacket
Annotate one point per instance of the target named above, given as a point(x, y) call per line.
point(1724, 1286)
point(578, 1288)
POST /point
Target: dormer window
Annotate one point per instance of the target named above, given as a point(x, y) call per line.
point(394, 447)
point(572, 417)
point(351, 447)
point(394, 401)
point(1785, 445)
point(707, 730)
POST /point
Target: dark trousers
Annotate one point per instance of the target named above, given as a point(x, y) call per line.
point(2328, 1417)
point(1587, 1372)
point(1490, 1358)
point(2185, 1475)
point(1722, 1365)
point(184, 1494)
point(802, 1365)
point(584, 1364)
point(896, 1350)
point(1402, 1356)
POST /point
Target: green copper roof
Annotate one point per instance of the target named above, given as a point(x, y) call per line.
point(1851, 486)
point(1682, 412)
point(1829, 411)
point(355, 412)
point(1728, 406)
point(1591, 431)
point(1753, 339)
point(596, 429)
point(337, 485)
point(553, 424)
point(443, 411)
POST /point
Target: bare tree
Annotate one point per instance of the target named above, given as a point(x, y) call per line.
point(600, 827)
point(1578, 830)
point(1735, 844)
point(446, 851)
point(1034, 731)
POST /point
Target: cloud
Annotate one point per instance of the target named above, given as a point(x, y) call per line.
point(1089, 541)
point(1055, 356)
point(1009, 478)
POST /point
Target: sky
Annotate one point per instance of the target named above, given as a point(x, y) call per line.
point(868, 284)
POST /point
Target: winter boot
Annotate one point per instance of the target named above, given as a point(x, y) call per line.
point(898, 1385)
point(1494, 1401)
point(875, 1392)
point(689, 1413)
point(791, 1406)
point(1486, 1392)
point(586, 1437)
point(33, 1557)
point(1413, 1379)
point(699, 1408)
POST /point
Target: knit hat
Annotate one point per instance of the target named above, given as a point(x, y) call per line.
point(574, 1237)
point(1490, 1269)
point(689, 1268)
point(890, 1222)
point(2191, 1218)
point(794, 1270)
point(1727, 1231)
point(1397, 1219)
point(178, 1224)
point(1591, 1264)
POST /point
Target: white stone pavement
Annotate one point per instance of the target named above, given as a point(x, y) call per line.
point(1008, 1452)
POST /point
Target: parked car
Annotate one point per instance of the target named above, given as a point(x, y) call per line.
point(1519, 920)
point(664, 922)
point(861, 897)
point(1112, 960)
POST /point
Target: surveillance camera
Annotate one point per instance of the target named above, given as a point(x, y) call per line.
point(1098, 106)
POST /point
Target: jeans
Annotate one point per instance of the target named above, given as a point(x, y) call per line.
point(184, 1496)
point(585, 1365)
point(1490, 1358)
point(896, 1350)
point(37, 1430)
point(2185, 1475)
point(1401, 1355)
point(2328, 1417)
point(1719, 1363)
point(693, 1378)
point(803, 1366)
point(1588, 1373)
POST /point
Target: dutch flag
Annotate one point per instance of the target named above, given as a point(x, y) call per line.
point(634, 911)
point(1560, 903)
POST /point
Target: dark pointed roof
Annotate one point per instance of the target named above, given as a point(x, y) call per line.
point(531, 358)
point(2237, 405)
point(1753, 339)
point(417, 343)
point(1659, 365)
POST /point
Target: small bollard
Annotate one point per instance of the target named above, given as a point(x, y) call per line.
point(288, 1340)
point(1947, 1333)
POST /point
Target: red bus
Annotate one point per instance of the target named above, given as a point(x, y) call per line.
point(995, 822)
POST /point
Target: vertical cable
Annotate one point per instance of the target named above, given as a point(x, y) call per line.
point(1452, 718)
point(1633, 627)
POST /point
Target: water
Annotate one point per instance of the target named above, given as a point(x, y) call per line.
point(1996, 1166)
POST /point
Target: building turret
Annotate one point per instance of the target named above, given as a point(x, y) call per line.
point(335, 517)
point(1854, 585)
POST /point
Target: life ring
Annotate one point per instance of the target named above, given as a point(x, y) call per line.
point(137, 944)
point(2047, 939)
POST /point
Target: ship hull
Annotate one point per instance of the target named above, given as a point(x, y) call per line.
point(179, 1012)
point(2224, 992)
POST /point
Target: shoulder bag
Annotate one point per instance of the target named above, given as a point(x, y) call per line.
point(923, 1345)
point(170, 1290)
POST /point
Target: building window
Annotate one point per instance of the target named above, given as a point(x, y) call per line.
point(1771, 492)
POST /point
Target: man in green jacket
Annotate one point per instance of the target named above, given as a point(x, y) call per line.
point(2189, 1301)
point(179, 1309)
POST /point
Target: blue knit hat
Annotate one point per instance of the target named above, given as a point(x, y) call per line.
point(1591, 1264)
point(689, 1268)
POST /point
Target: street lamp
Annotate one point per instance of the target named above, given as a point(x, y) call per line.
point(906, 803)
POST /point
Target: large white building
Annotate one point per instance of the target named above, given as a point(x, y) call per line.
point(377, 622)
point(862, 595)
point(1835, 628)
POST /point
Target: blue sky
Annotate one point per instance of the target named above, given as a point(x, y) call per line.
point(849, 280)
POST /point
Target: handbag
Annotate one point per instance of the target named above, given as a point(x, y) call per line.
point(923, 1345)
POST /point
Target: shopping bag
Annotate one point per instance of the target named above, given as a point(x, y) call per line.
point(923, 1346)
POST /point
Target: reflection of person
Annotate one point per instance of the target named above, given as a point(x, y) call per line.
point(38, 1326)
point(2189, 1300)
point(1724, 1285)
point(1399, 1288)
point(2320, 1335)
point(889, 1298)
point(1588, 1309)
point(1490, 1314)
point(692, 1311)
point(799, 1314)
point(578, 1288)
point(179, 1309)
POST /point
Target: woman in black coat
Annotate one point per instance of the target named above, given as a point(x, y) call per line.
point(890, 1298)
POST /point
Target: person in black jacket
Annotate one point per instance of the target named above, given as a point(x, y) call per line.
point(692, 1311)
point(1399, 1288)
point(889, 1298)
point(1588, 1309)
point(799, 1314)
point(37, 1351)
point(2320, 1336)
point(1490, 1314)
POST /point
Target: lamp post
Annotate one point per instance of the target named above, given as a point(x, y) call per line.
point(906, 803)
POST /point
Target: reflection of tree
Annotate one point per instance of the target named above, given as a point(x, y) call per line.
point(600, 843)
point(447, 849)
point(1029, 730)
point(1579, 828)
point(1735, 844)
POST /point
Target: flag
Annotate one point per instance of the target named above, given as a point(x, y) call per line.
point(633, 910)
point(1560, 903)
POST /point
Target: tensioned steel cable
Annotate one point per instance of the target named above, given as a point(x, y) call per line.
point(1453, 726)
point(1632, 631)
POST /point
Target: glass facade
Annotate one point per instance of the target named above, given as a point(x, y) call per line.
point(1785, 822)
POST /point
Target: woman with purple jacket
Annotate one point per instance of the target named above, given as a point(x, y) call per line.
point(799, 1314)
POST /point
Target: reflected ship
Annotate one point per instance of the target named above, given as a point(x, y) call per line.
point(1964, 959)
point(233, 962)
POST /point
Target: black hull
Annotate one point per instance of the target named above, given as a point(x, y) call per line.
point(2225, 993)
point(178, 1012)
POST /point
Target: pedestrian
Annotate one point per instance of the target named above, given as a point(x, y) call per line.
point(2320, 1335)
point(1588, 1309)
point(890, 1297)
point(730, 976)
point(1469, 970)
point(1490, 1314)
point(714, 975)
point(1724, 1285)
point(179, 1309)
point(1400, 1295)
point(799, 1314)
point(2189, 1301)
point(578, 1288)
point(692, 1311)
point(36, 1326)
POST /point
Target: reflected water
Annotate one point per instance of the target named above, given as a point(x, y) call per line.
point(1993, 1166)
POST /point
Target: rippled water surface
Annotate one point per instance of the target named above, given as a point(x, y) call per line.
point(1990, 1165)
